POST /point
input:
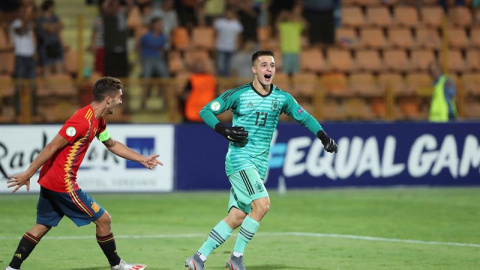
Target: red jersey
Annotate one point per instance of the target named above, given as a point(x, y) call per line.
point(59, 173)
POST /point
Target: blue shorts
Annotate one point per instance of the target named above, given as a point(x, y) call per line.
point(76, 205)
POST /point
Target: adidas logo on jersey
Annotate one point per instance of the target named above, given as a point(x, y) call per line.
point(250, 105)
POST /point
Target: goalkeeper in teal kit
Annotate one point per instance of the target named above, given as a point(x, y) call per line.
point(256, 108)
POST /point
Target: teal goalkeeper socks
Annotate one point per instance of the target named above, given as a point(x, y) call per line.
point(247, 231)
point(217, 236)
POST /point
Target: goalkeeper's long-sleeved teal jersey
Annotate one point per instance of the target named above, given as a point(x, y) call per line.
point(259, 115)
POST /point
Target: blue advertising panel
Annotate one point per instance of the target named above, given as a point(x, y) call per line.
point(369, 154)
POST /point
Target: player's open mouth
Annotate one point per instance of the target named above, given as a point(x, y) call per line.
point(267, 77)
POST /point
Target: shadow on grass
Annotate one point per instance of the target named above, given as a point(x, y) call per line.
point(90, 268)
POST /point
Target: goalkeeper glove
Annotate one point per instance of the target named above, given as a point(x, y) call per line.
point(234, 134)
point(328, 143)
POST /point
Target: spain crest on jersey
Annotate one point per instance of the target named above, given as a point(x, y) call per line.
point(275, 105)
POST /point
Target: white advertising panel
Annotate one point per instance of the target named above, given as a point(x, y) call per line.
point(101, 171)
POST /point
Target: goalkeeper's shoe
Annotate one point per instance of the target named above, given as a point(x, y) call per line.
point(194, 263)
point(235, 263)
point(123, 265)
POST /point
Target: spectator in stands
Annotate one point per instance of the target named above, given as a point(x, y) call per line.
point(248, 18)
point(97, 43)
point(320, 15)
point(290, 27)
point(213, 9)
point(49, 27)
point(189, 12)
point(23, 39)
point(167, 14)
point(241, 63)
point(115, 38)
point(152, 51)
point(228, 28)
point(442, 107)
point(200, 89)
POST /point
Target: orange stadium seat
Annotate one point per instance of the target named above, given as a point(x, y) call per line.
point(457, 38)
point(475, 37)
point(71, 61)
point(460, 16)
point(420, 59)
point(61, 84)
point(372, 38)
point(203, 37)
point(405, 16)
point(420, 83)
point(400, 37)
point(7, 64)
point(180, 38)
point(364, 85)
point(134, 18)
point(473, 59)
point(393, 81)
point(339, 60)
point(6, 87)
point(282, 81)
point(411, 108)
point(428, 38)
point(305, 84)
point(346, 37)
point(312, 60)
point(335, 84)
point(368, 60)
point(378, 16)
point(192, 56)
point(356, 108)
point(175, 63)
point(432, 16)
point(352, 16)
point(396, 60)
point(332, 110)
point(454, 60)
point(470, 82)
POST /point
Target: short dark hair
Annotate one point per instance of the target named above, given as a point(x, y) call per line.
point(257, 54)
point(106, 86)
point(47, 4)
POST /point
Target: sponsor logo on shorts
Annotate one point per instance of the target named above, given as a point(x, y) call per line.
point(95, 207)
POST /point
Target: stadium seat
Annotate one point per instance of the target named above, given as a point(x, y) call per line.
point(470, 82)
point(282, 81)
point(472, 109)
point(192, 56)
point(419, 83)
point(352, 16)
point(7, 64)
point(396, 60)
point(393, 81)
point(378, 16)
point(378, 107)
point(420, 59)
point(346, 37)
point(460, 16)
point(6, 87)
point(457, 38)
point(5, 42)
point(312, 60)
point(432, 16)
point(203, 37)
point(175, 63)
point(473, 59)
point(454, 60)
point(134, 18)
point(71, 61)
point(335, 84)
point(356, 109)
point(305, 84)
point(411, 108)
point(428, 38)
point(332, 110)
point(368, 60)
point(400, 38)
point(339, 60)
point(405, 16)
point(180, 38)
point(61, 85)
point(475, 37)
point(372, 38)
point(364, 85)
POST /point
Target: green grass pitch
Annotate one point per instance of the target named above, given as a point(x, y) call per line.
point(162, 230)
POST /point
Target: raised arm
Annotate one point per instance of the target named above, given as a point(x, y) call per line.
point(24, 178)
point(124, 151)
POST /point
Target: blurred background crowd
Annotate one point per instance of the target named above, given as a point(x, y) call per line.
point(343, 60)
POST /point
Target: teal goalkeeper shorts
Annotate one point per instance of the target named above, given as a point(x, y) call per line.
point(247, 186)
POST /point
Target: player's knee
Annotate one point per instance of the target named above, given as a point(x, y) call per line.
point(261, 207)
point(105, 220)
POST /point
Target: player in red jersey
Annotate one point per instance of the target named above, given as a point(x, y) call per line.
point(60, 195)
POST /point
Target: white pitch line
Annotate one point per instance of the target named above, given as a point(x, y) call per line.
point(301, 234)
